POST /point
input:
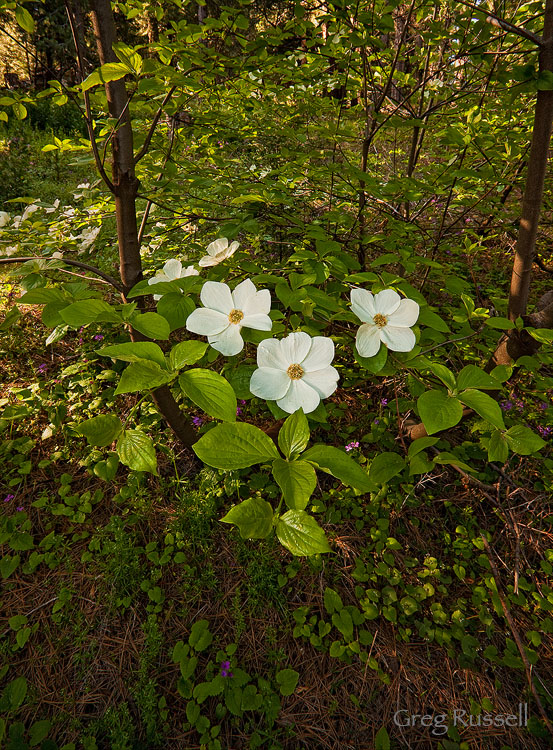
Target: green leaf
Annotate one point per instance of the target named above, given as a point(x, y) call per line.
point(439, 411)
point(294, 434)
point(211, 392)
point(332, 601)
point(385, 466)
point(84, 311)
point(450, 458)
point(175, 308)
point(24, 19)
point(101, 431)
point(301, 534)
point(152, 325)
point(200, 637)
point(239, 378)
point(296, 479)
point(12, 316)
point(429, 318)
point(235, 446)
point(136, 450)
point(498, 447)
point(503, 324)
point(340, 465)
point(523, 441)
point(287, 680)
point(254, 518)
point(484, 405)
point(373, 364)
point(134, 351)
point(142, 375)
point(445, 374)
point(382, 740)
point(106, 470)
point(473, 377)
point(420, 444)
point(8, 564)
point(42, 296)
point(186, 353)
point(343, 622)
point(39, 731)
point(15, 691)
point(106, 73)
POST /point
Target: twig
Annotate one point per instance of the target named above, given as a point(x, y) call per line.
point(516, 636)
point(505, 25)
point(144, 150)
point(77, 263)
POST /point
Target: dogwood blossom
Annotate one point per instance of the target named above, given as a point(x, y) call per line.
point(4, 218)
point(225, 313)
point(386, 317)
point(295, 371)
point(218, 251)
point(172, 271)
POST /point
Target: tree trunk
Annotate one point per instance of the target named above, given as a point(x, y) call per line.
point(535, 178)
point(125, 187)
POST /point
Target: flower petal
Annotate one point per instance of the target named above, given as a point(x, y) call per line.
point(270, 354)
point(229, 342)
point(362, 304)
point(386, 302)
point(299, 395)
point(270, 384)
point(260, 303)
point(320, 355)
point(217, 246)
point(367, 341)
point(242, 294)
point(172, 269)
point(398, 339)
point(217, 296)
point(259, 322)
point(208, 260)
point(295, 347)
point(232, 249)
point(324, 381)
point(406, 314)
point(206, 322)
point(190, 271)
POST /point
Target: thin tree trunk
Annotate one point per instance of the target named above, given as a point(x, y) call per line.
point(125, 187)
point(535, 178)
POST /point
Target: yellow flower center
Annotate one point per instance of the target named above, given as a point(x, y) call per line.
point(295, 372)
point(380, 320)
point(235, 316)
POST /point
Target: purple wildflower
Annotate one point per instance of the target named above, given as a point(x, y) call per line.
point(98, 337)
point(197, 421)
point(9, 498)
point(242, 401)
point(544, 431)
point(225, 667)
point(352, 445)
point(42, 368)
point(238, 411)
point(384, 402)
point(376, 421)
point(543, 406)
point(19, 507)
point(506, 405)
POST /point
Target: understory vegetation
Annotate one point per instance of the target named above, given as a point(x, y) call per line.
point(185, 562)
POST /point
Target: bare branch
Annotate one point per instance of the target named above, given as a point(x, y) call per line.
point(70, 262)
point(144, 150)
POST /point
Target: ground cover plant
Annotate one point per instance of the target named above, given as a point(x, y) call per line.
point(276, 376)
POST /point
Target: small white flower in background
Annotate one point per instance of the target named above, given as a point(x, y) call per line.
point(295, 371)
point(172, 271)
point(53, 207)
point(4, 218)
point(87, 237)
point(10, 250)
point(28, 211)
point(225, 313)
point(218, 251)
point(386, 317)
point(57, 254)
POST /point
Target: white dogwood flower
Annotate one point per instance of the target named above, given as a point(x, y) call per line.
point(218, 251)
point(225, 313)
point(295, 371)
point(386, 317)
point(4, 218)
point(172, 271)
